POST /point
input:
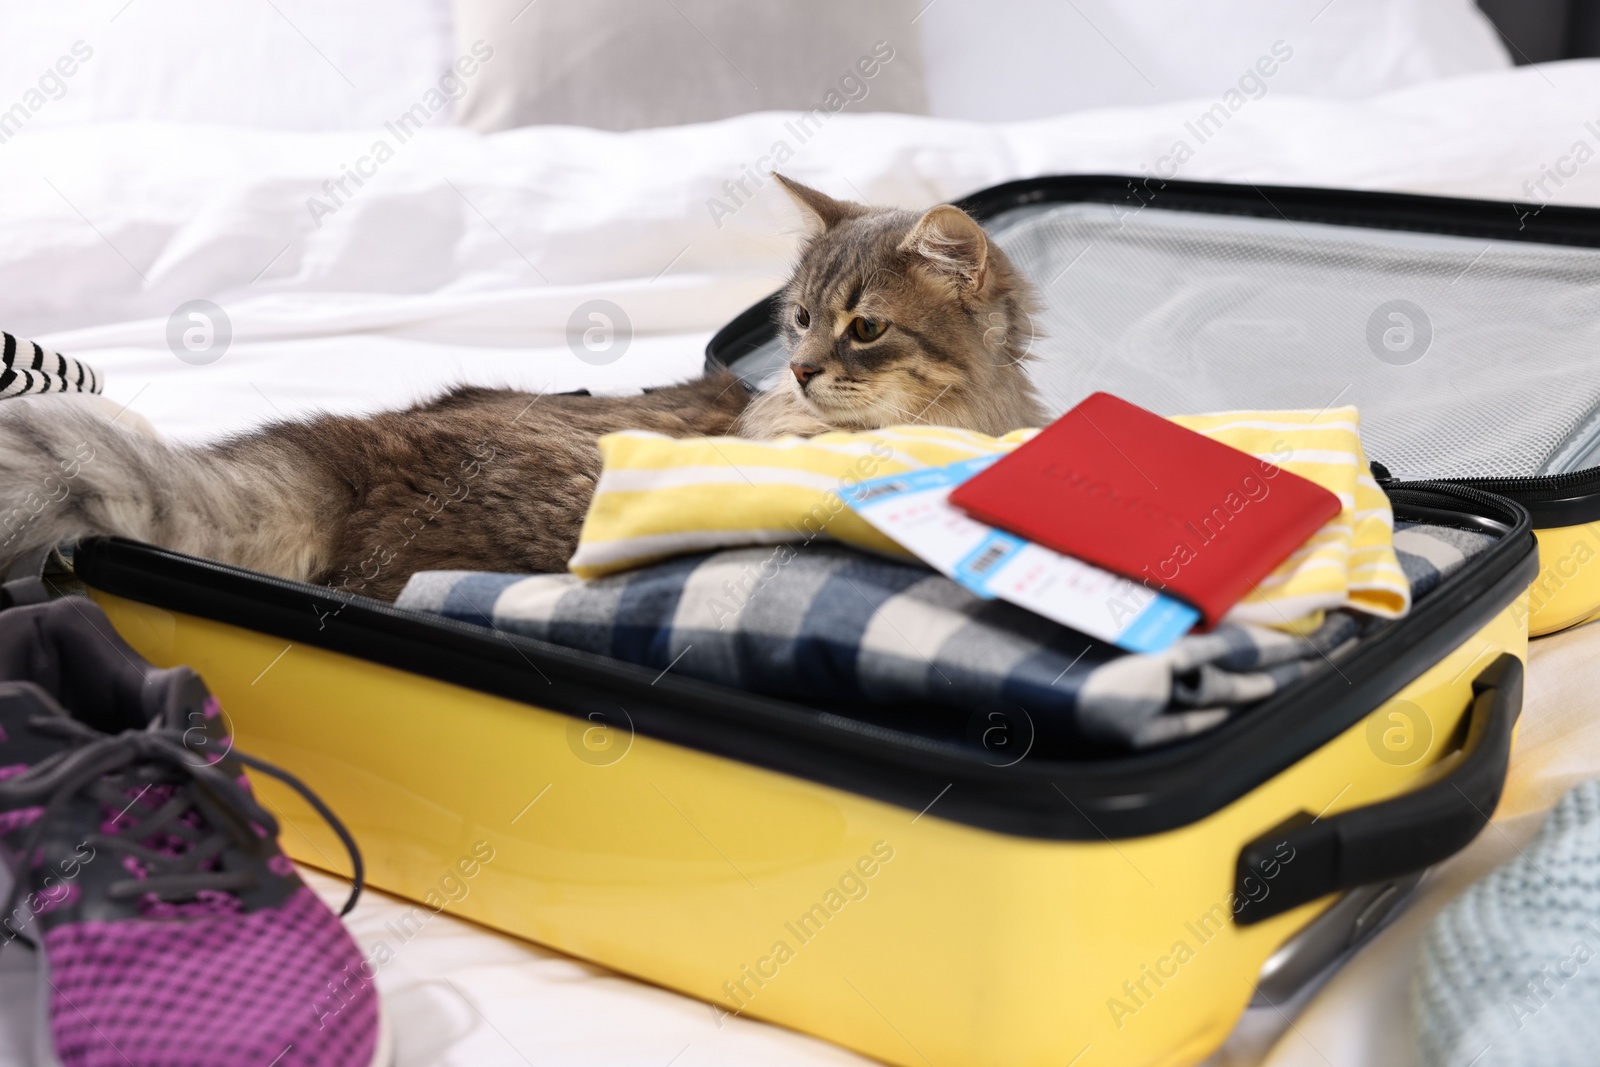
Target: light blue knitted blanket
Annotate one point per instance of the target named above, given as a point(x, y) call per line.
point(1510, 971)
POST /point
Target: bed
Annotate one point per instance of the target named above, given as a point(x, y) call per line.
point(467, 257)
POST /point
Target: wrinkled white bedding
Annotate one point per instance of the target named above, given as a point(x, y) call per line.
point(462, 258)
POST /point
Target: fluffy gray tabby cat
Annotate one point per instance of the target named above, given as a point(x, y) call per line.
point(890, 317)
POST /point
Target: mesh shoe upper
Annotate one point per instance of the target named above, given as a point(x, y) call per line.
point(174, 930)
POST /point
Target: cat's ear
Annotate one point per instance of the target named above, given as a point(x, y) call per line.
point(823, 210)
point(952, 243)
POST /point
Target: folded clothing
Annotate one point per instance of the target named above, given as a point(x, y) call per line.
point(1508, 973)
point(835, 625)
point(658, 497)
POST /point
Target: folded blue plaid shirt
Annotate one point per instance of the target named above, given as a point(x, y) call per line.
point(833, 625)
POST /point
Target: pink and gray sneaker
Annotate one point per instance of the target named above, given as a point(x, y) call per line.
point(172, 930)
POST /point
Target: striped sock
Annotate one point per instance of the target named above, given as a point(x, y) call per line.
point(27, 369)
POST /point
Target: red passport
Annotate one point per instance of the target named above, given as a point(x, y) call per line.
point(1115, 485)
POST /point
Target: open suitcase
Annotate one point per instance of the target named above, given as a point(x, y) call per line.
point(917, 896)
point(1466, 331)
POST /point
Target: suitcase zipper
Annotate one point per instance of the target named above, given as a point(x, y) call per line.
point(1553, 500)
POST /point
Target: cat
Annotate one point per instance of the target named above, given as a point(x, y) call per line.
point(890, 317)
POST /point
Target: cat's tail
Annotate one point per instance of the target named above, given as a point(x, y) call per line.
point(68, 471)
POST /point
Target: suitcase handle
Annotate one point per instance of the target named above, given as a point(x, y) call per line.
point(1305, 857)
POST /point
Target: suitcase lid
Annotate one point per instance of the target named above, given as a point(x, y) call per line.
point(1467, 332)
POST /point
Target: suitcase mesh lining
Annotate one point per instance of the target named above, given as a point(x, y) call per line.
point(1187, 312)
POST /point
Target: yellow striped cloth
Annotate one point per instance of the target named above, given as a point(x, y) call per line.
point(660, 496)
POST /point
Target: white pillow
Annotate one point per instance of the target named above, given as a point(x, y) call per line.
point(288, 64)
point(634, 64)
point(1021, 59)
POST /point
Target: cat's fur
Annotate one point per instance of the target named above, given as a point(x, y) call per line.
point(958, 321)
point(489, 479)
point(495, 479)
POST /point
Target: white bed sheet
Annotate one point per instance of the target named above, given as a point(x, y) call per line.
point(463, 257)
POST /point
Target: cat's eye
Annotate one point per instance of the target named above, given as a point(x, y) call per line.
point(868, 329)
point(802, 317)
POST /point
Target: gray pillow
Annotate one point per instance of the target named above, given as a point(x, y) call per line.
point(627, 64)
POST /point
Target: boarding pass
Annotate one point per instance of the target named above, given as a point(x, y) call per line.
point(915, 510)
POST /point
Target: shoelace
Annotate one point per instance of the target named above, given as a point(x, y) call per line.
point(229, 810)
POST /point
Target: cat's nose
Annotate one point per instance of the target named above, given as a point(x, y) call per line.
point(804, 372)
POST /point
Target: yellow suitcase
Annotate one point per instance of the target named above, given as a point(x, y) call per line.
point(922, 900)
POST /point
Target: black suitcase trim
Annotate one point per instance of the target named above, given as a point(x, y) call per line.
point(1554, 500)
point(1125, 795)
